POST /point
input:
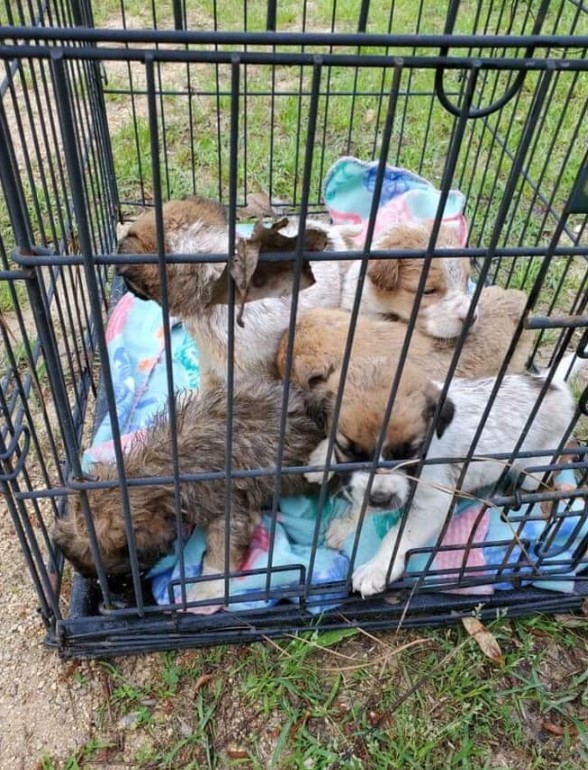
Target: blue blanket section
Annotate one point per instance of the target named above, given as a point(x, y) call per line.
point(553, 541)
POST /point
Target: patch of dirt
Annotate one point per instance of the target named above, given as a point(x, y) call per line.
point(41, 709)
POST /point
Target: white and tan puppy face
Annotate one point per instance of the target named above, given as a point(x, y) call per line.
point(447, 301)
point(360, 422)
point(392, 284)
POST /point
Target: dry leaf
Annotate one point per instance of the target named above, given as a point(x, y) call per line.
point(484, 639)
point(572, 621)
point(551, 727)
point(256, 280)
point(201, 681)
point(237, 751)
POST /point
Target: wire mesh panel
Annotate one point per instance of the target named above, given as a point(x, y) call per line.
point(248, 504)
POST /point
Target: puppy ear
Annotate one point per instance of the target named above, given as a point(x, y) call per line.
point(63, 532)
point(74, 547)
point(446, 414)
point(445, 417)
point(309, 372)
point(383, 273)
point(140, 280)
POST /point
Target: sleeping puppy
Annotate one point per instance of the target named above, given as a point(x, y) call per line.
point(321, 336)
point(199, 226)
point(201, 434)
point(390, 285)
point(365, 398)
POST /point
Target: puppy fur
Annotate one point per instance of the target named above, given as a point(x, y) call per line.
point(360, 424)
point(390, 285)
point(199, 226)
point(201, 435)
point(321, 335)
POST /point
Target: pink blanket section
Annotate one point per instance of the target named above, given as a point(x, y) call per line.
point(400, 210)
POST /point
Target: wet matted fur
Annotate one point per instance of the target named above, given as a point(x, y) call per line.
point(201, 436)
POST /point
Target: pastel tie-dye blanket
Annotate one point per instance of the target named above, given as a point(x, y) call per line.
point(135, 344)
point(348, 191)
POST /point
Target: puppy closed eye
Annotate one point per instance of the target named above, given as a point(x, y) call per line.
point(349, 451)
point(406, 451)
point(430, 291)
point(258, 280)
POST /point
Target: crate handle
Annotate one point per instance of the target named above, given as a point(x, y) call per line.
point(514, 88)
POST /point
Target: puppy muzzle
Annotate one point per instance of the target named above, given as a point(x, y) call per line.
point(384, 500)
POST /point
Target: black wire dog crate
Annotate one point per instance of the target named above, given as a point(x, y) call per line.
point(109, 109)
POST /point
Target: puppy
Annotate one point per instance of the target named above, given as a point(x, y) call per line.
point(199, 226)
point(201, 435)
point(366, 394)
point(321, 336)
point(390, 285)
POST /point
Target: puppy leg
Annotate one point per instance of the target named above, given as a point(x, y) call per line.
point(242, 528)
point(424, 524)
point(318, 456)
point(340, 528)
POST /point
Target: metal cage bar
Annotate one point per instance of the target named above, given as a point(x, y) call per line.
point(479, 97)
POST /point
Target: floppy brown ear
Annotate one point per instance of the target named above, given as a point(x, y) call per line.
point(383, 273)
point(74, 547)
point(310, 373)
point(446, 414)
point(140, 281)
point(62, 534)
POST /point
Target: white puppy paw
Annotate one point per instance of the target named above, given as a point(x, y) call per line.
point(338, 531)
point(314, 477)
point(318, 456)
point(370, 578)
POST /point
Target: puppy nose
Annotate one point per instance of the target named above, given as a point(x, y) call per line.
point(463, 314)
point(381, 499)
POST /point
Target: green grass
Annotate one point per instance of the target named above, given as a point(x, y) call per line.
point(350, 700)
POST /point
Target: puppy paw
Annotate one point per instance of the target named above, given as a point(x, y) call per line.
point(370, 578)
point(338, 531)
point(210, 589)
point(314, 477)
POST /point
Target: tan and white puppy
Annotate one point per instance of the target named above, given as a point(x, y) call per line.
point(321, 336)
point(366, 394)
point(199, 226)
point(390, 286)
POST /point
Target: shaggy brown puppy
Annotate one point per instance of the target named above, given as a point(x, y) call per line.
point(201, 435)
point(391, 284)
point(321, 336)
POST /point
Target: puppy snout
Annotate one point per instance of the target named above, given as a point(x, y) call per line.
point(381, 499)
point(463, 311)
